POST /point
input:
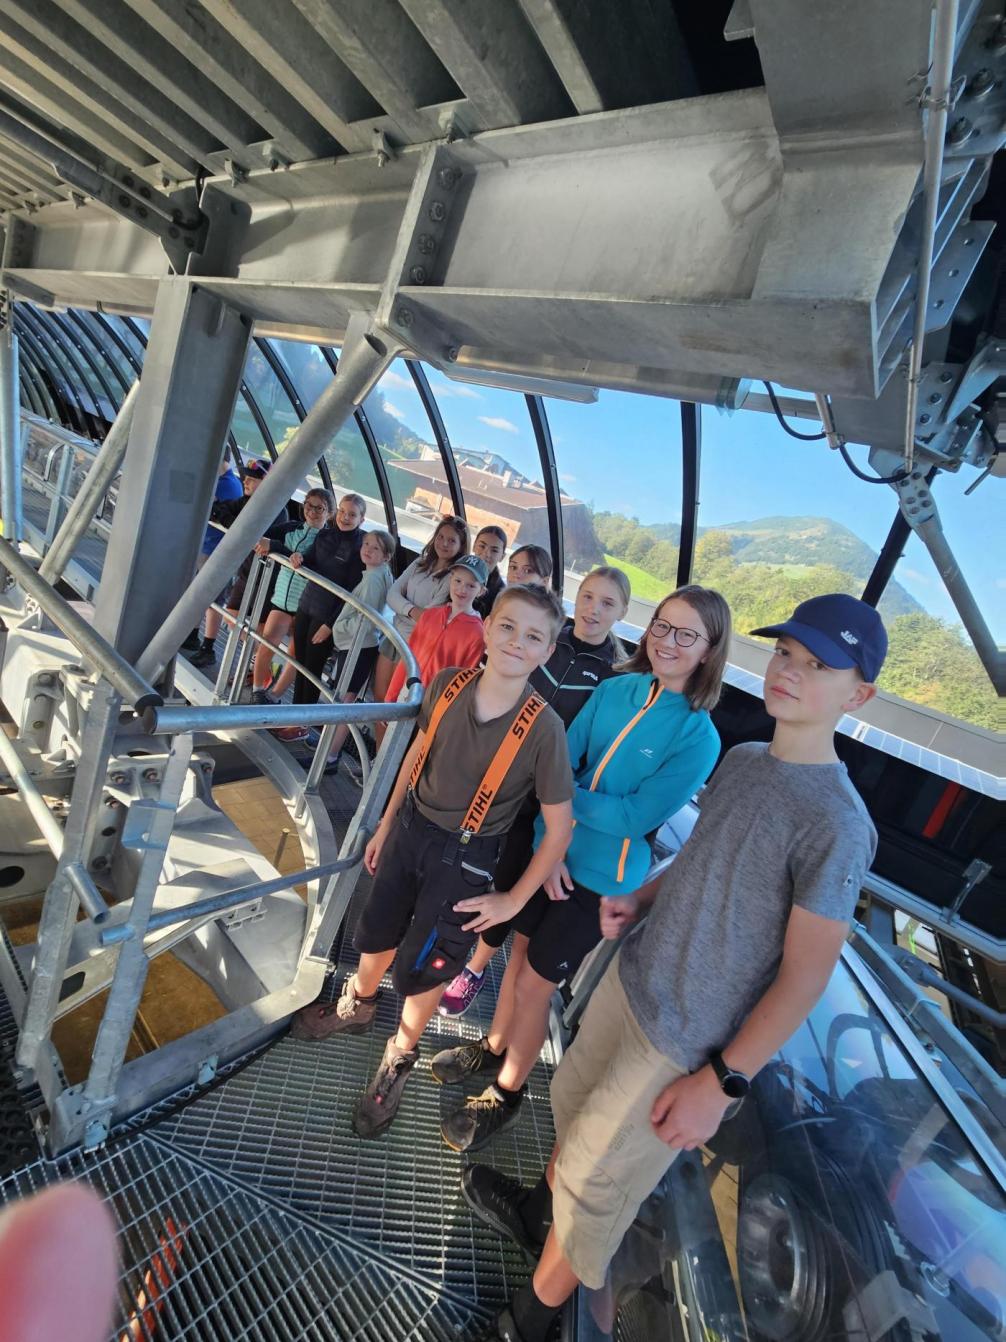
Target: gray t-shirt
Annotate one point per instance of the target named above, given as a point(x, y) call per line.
point(770, 835)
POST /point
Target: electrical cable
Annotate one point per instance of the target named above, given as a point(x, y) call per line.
point(803, 437)
point(817, 437)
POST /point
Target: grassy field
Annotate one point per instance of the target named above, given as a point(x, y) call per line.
point(644, 585)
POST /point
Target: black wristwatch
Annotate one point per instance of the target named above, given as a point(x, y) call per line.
point(733, 1084)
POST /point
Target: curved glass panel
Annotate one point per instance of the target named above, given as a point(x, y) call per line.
point(931, 658)
point(842, 1202)
point(111, 350)
point(619, 467)
point(129, 333)
point(277, 411)
point(352, 471)
point(407, 443)
point(246, 431)
point(306, 367)
point(105, 391)
point(497, 459)
point(118, 380)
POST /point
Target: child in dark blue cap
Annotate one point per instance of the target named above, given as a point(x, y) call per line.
point(744, 932)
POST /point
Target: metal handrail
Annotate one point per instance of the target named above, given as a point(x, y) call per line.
point(170, 719)
point(90, 644)
point(227, 900)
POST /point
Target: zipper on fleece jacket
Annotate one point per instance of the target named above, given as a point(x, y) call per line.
point(656, 690)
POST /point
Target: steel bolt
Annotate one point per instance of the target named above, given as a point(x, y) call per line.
point(145, 192)
point(404, 317)
point(438, 211)
point(946, 377)
point(960, 131)
point(935, 399)
point(207, 767)
point(924, 419)
point(125, 201)
point(118, 779)
point(150, 775)
point(939, 303)
point(127, 180)
point(142, 211)
point(447, 177)
point(100, 863)
point(451, 353)
point(113, 803)
point(45, 680)
point(418, 274)
point(426, 244)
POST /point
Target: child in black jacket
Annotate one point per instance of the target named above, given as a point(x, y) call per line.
point(335, 555)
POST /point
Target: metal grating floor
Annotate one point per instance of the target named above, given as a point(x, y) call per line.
point(285, 1224)
point(283, 1127)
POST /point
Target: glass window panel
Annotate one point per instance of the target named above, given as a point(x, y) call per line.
point(103, 337)
point(246, 431)
point(306, 366)
point(619, 467)
point(931, 659)
point(68, 339)
point(405, 438)
point(270, 398)
point(130, 333)
point(497, 460)
point(114, 374)
point(352, 471)
point(63, 372)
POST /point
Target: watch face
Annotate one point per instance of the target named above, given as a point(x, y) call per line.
point(735, 1085)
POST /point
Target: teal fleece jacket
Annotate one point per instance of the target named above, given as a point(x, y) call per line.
point(638, 753)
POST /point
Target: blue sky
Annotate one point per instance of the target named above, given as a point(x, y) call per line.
point(623, 453)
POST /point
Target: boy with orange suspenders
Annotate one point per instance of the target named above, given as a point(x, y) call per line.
point(485, 740)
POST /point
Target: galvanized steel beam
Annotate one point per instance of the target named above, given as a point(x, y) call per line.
point(11, 508)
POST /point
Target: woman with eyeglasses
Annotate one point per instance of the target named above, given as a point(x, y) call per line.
point(289, 538)
point(640, 748)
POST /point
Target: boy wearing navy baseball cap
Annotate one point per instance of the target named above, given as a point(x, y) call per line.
point(742, 938)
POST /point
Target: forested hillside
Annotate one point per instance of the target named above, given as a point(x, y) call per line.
point(765, 567)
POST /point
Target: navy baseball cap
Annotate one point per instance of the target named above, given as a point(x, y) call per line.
point(475, 566)
point(840, 630)
point(258, 470)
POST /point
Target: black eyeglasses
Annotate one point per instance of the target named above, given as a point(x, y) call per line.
point(315, 508)
point(684, 638)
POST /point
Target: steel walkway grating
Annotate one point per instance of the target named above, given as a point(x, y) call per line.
point(217, 1262)
point(283, 1126)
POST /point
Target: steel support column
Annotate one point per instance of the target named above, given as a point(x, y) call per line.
point(11, 507)
point(691, 456)
point(87, 500)
point(365, 356)
point(186, 397)
point(553, 494)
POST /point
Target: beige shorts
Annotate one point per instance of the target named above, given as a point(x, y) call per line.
point(610, 1159)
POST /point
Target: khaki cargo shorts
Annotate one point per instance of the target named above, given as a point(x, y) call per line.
point(610, 1159)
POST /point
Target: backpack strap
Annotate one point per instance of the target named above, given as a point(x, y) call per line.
point(448, 696)
point(500, 764)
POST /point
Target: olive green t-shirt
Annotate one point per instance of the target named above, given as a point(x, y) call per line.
point(463, 749)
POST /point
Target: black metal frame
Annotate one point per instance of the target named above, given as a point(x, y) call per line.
point(47, 396)
point(891, 551)
point(28, 395)
point(105, 325)
point(58, 337)
point(553, 494)
point(691, 465)
point(77, 342)
point(429, 401)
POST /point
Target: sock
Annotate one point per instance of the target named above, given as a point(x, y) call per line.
point(372, 998)
point(532, 1317)
point(536, 1210)
point(511, 1098)
point(480, 977)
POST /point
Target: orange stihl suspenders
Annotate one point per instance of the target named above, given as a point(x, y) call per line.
point(499, 765)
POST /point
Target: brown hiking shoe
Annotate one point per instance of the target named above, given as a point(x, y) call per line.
point(347, 1016)
point(378, 1105)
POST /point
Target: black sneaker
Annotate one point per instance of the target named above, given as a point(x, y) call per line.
point(262, 697)
point(496, 1200)
point(192, 643)
point(204, 657)
point(479, 1120)
point(454, 1064)
point(378, 1105)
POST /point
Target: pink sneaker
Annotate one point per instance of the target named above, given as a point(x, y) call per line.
point(461, 993)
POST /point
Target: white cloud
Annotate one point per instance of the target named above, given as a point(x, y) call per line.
point(497, 422)
point(447, 390)
point(913, 575)
point(395, 411)
point(1001, 582)
point(399, 380)
point(568, 479)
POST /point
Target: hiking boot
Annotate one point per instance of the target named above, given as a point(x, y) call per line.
point(192, 642)
point(496, 1199)
point(378, 1105)
point(479, 1120)
point(454, 1064)
point(204, 657)
point(349, 1015)
point(461, 993)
